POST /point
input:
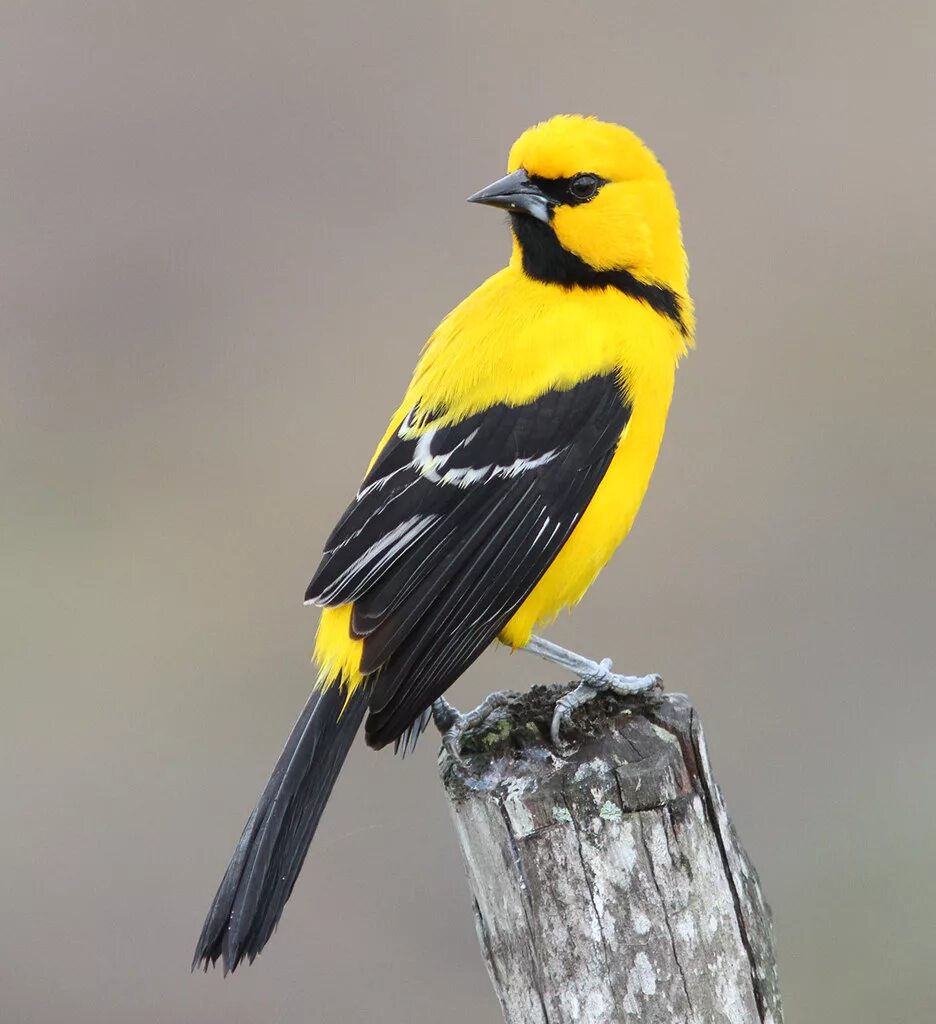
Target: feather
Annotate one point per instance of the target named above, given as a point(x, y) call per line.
point(273, 845)
point(451, 530)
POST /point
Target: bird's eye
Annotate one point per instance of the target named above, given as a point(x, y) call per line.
point(584, 186)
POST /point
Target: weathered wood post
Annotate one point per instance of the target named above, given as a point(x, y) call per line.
point(609, 885)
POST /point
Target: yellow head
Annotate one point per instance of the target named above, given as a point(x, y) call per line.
point(592, 207)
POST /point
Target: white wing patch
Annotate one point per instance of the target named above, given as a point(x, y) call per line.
point(356, 577)
point(429, 465)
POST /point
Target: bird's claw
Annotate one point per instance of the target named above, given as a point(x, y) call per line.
point(453, 725)
point(444, 715)
point(602, 680)
point(452, 740)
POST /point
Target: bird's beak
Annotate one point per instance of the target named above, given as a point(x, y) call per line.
point(516, 193)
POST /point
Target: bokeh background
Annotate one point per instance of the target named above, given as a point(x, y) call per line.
point(227, 229)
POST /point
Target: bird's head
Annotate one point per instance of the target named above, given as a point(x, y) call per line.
point(588, 199)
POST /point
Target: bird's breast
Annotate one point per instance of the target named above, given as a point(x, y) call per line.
point(514, 339)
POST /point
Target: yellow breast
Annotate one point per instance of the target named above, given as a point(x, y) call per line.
point(510, 341)
point(515, 338)
point(645, 357)
point(604, 524)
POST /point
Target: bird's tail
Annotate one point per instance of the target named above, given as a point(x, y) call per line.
point(263, 870)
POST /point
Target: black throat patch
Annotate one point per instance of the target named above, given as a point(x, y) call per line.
point(545, 260)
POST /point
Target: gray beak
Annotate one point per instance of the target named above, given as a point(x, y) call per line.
point(516, 193)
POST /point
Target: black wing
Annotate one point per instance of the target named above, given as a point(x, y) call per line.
point(451, 530)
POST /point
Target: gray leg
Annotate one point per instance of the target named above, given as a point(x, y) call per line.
point(444, 715)
point(596, 677)
point(453, 725)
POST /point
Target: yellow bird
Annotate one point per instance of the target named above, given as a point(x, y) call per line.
point(512, 469)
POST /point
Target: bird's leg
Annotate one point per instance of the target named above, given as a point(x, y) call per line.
point(453, 724)
point(444, 715)
point(596, 677)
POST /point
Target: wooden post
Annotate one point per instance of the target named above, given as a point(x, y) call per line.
point(609, 885)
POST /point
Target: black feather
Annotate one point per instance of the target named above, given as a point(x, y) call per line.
point(405, 743)
point(472, 610)
point(273, 845)
point(452, 528)
point(496, 497)
point(439, 606)
point(545, 259)
point(385, 637)
point(400, 490)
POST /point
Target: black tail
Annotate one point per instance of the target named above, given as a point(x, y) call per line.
point(266, 863)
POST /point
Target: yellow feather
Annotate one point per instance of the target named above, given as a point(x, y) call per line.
point(515, 338)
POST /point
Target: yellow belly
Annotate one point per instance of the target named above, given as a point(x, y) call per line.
point(604, 524)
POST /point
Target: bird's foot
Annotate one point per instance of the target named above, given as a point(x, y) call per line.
point(453, 725)
point(600, 680)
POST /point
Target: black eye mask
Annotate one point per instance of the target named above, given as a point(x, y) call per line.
point(580, 188)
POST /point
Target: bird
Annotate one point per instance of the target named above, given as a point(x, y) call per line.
point(510, 472)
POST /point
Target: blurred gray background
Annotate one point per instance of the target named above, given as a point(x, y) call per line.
point(227, 229)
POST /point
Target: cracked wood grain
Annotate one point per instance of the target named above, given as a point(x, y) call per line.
point(609, 884)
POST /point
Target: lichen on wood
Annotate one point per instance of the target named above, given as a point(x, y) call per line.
point(608, 882)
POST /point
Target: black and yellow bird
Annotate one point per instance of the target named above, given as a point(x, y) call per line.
point(512, 469)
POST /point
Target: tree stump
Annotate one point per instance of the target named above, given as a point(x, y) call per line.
point(609, 884)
